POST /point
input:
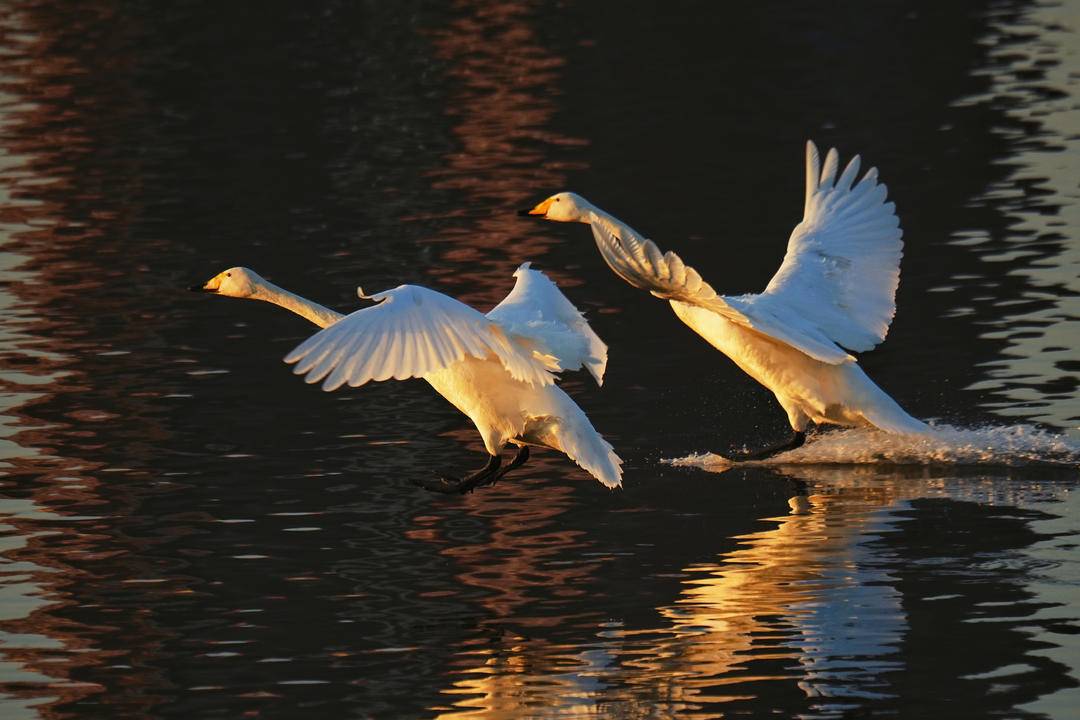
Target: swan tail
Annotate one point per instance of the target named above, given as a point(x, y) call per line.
point(886, 414)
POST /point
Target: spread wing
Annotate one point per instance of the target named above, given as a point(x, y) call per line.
point(413, 331)
point(537, 309)
point(842, 265)
point(640, 262)
point(836, 287)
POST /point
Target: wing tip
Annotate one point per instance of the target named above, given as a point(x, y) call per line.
point(597, 369)
point(828, 169)
point(813, 172)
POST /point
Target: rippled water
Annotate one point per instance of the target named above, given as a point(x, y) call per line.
point(188, 531)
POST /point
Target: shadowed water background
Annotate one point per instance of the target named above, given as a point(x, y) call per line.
point(186, 530)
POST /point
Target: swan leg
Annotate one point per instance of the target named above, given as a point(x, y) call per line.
point(450, 485)
point(796, 440)
point(520, 459)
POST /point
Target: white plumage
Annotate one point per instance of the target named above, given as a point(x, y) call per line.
point(497, 369)
point(411, 332)
point(834, 292)
point(536, 309)
point(842, 265)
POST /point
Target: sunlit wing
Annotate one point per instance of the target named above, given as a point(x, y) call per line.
point(640, 262)
point(412, 332)
point(842, 265)
point(537, 309)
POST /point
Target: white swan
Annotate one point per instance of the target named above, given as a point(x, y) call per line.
point(497, 369)
point(834, 290)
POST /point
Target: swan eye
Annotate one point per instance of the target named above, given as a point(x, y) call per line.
point(228, 274)
point(557, 199)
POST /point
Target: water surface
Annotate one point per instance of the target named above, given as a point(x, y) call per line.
point(189, 531)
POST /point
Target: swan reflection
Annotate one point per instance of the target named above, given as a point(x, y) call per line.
point(811, 612)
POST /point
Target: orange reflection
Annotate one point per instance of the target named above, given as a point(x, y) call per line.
point(765, 600)
point(777, 609)
point(507, 84)
point(516, 564)
point(755, 603)
point(504, 102)
point(49, 208)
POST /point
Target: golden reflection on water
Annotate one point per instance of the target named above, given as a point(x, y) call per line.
point(784, 596)
point(772, 610)
point(521, 578)
point(774, 615)
point(502, 105)
point(808, 605)
point(523, 540)
point(518, 557)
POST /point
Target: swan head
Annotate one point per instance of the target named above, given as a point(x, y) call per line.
point(239, 282)
point(562, 207)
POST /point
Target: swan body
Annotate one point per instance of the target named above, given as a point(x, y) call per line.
point(834, 291)
point(496, 369)
point(807, 389)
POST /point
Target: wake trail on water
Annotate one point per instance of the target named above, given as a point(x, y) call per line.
point(991, 445)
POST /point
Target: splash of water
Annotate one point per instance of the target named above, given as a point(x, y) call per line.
point(994, 445)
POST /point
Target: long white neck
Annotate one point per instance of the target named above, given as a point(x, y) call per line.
point(313, 311)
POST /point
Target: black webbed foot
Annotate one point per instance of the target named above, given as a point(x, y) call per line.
point(796, 440)
point(450, 485)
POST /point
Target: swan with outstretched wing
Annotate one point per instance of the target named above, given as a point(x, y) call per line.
point(834, 293)
point(497, 368)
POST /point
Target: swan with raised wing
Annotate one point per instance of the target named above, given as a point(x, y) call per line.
point(834, 293)
point(498, 369)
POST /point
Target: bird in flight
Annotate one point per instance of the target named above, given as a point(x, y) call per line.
point(834, 293)
point(498, 369)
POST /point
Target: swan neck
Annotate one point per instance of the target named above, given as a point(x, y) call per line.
point(313, 311)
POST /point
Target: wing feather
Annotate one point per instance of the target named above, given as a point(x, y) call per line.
point(842, 265)
point(813, 173)
point(677, 268)
point(688, 287)
point(537, 311)
point(340, 374)
point(394, 362)
point(440, 346)
point(410, 351)
point(360, 355)
point(323, 368)
point(656, 260)
point(412, 332)
point(369, 361)
point(848, 176)
point(837, 284)
point(828, 170)
point(312, 359)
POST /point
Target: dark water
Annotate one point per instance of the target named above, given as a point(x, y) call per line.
point(188, 531)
